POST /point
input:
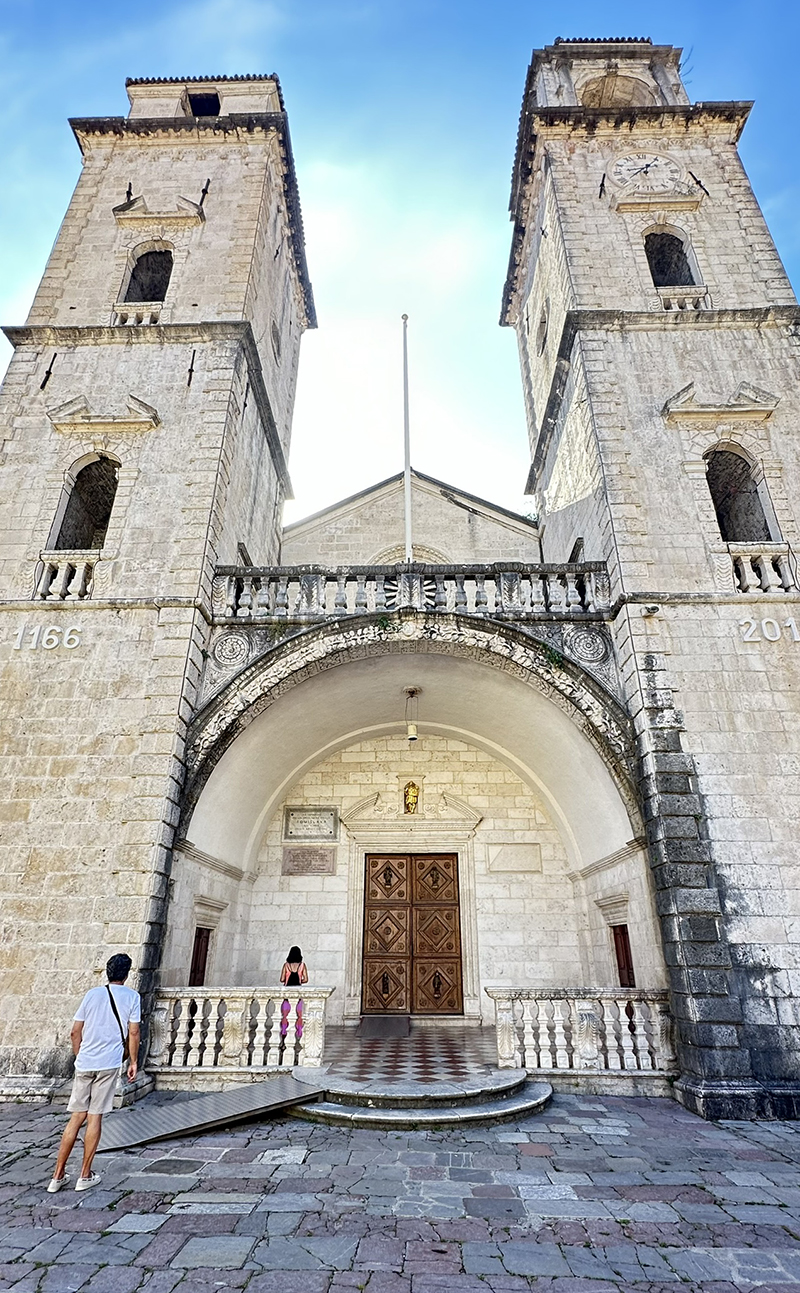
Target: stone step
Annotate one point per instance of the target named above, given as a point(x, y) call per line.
point(530, 1098)
point(489, 1085)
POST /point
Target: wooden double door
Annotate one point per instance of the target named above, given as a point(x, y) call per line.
point(412, 935)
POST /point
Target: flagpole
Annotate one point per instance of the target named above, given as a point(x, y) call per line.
point(407, 448)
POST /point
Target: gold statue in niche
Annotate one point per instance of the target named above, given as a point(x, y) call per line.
point(410, 797)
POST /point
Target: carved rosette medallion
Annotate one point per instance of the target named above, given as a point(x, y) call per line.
point(231, 650)
point(587, 644)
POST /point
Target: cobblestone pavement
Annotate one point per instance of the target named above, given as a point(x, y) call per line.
point(594, 1195)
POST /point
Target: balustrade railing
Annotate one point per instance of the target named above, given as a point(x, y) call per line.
point(66, 575)
point(583, 1030)
point(684, 298)
point(764, 568)
point(237, 1028)
point(133, 314)
point(513, 591)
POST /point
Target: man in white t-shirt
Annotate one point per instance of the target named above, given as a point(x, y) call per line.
point(106, 1019)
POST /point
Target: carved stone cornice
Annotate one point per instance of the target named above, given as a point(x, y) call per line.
point(747, 404)
point(207, 860)
point(76, 418)
point(136, 213)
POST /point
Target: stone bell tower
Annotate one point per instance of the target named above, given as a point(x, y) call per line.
point(658, 336)
point(145, 424)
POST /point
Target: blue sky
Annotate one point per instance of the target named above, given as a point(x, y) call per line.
point(403, 116)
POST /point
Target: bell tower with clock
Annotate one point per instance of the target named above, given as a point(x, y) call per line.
point(658, 338)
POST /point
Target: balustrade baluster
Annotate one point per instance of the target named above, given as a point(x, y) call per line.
point(245, 598)
point(46, 579)
point(613, 1020)
point(185, 1019)
point(745, 573)
point(361, 591)
point(573, 596)
point(481, 599)
point(290, 1038)
point(261, 1032)
point(537, 592)
point(555, 592)
point(282, 598)
point(626, 1036)
point(340, 600)
point(440, 598)
point(785, 573)
point(196, 1033)
point(560, 1018)
point(461, 592)
point(770, 583)
point(530, 1058)
point(380, 592)
point(640, 1039)
point(266, 587)
point(275, 1039)
point(543, 1030)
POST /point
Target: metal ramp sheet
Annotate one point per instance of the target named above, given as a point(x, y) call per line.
point(128, 1127)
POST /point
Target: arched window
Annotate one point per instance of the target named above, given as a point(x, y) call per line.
point(739, 499)
point(614, 91)
point(668, 261)
point(85, 519)
point(150, 277)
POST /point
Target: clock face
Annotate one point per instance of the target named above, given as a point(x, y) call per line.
point(646, 172)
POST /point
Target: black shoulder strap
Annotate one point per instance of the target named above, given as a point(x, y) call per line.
point(116, 1012)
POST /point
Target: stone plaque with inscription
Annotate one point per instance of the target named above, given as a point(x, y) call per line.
point(310, 822)
point(307, 860)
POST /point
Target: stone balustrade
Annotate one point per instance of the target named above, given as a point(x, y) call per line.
point(237, 1028)
point(764, 567)
point(512, 591)
point(583, 1030)
point(133, 314)
point(66, 575)
point(684, 298)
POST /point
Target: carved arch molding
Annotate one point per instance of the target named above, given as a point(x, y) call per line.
point(600, 718)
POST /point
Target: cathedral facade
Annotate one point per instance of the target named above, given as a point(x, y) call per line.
point(542, 778)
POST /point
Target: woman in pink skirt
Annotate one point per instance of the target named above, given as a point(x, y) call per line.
point(293, 975)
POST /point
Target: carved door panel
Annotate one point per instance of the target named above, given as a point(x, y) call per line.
point(435, 936)
point(412, 943)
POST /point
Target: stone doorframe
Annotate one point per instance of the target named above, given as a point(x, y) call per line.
point(403, 835)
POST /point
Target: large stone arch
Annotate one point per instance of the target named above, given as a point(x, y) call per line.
point(595, 737)
point(588, 707)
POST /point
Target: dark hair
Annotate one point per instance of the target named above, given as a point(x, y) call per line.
point(294, 956)
point(118, 967)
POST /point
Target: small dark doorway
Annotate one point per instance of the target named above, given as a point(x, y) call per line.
point(202, 942)
point(622, 948)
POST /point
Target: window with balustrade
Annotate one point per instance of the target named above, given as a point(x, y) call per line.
point(740, 497)
point(86, 511)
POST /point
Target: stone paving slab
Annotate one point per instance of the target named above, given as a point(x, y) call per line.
point(602, 1194)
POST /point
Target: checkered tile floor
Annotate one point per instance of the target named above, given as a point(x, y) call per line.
point(428, 1055)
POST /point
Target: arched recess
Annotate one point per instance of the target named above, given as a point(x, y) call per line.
point(670, 257)
point(615, 91)
point(325, 687)
point(149, 272)
point(84, 509)
point(740, 496)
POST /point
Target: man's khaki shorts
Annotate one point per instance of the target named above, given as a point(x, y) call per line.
point(93, 1091)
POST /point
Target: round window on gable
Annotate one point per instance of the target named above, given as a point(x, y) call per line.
point(276, 340)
